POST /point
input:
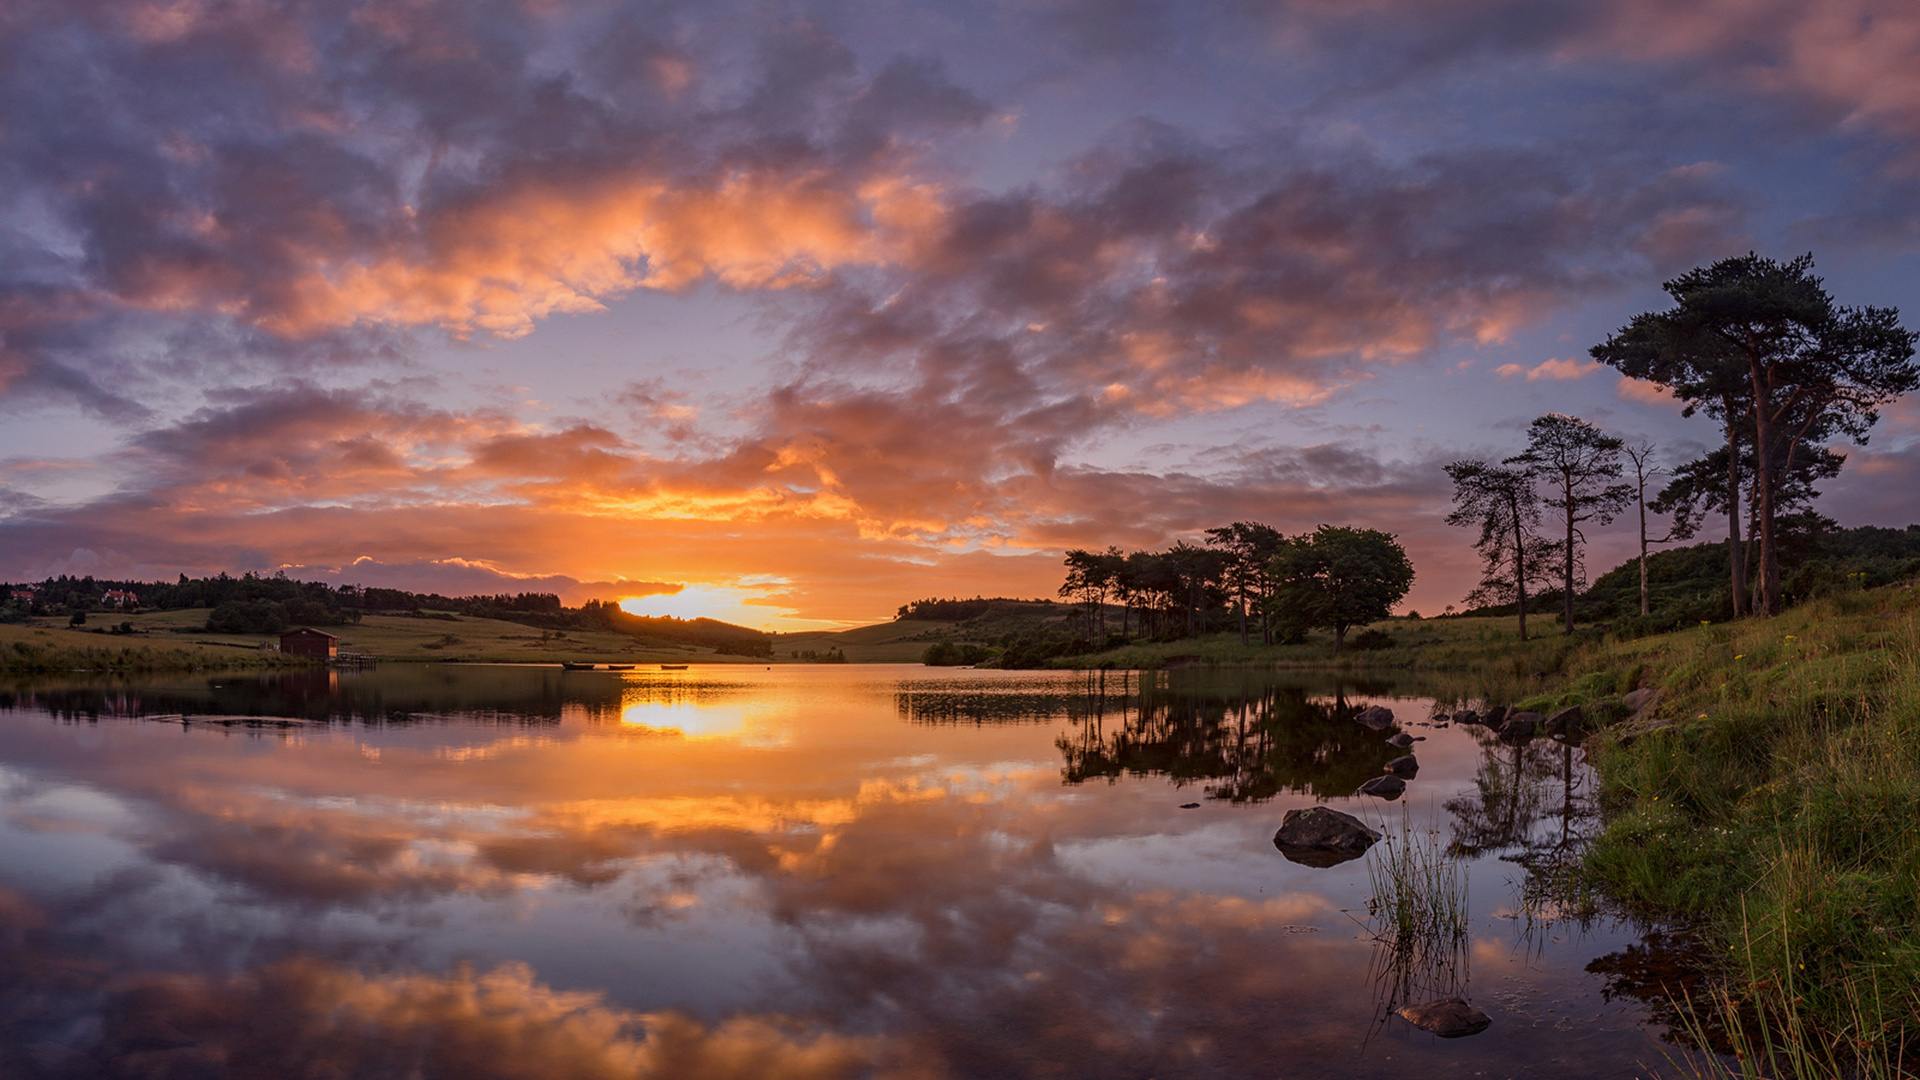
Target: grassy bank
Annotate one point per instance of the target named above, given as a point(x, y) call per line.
point(28, 650)
point(1467, 657)
point(1772, 795)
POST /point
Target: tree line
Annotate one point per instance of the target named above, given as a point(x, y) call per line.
point(268, 604)
point(1247, 575)
point(1758, 346)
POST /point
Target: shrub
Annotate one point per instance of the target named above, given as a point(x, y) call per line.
point(1371, 640)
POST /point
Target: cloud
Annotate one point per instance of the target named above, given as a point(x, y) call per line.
point(1556, 370)
point(1643, 392)
point(285, 179)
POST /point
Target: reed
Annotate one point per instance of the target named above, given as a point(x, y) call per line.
point(1419, 892)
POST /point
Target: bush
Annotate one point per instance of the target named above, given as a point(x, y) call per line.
point(956, 654)
point(1370, 640)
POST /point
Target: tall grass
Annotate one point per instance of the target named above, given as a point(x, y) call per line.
point(1781, 811)
point(1419, 892)
point(1766, 1035)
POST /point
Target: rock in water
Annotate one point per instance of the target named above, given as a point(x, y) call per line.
point(1376, 717)
point(1402, 740)
point(1466, 716)
point(1320, 836)
point(1568, 721)
point(1388, 787)
point(1521, 725)
point(1449, 1018)
point(1404, 766)
point(1495, 717)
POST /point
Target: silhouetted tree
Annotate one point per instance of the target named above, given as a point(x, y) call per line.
point(1250, 547)
point(1339, 578)
point(1576, 460)
point(1641, 454)
point(1501, 502)
point(1765, 341)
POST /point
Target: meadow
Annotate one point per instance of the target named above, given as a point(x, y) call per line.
point(176, 640)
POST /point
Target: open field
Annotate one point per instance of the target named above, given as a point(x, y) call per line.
point(434, 637)
point(31, 649)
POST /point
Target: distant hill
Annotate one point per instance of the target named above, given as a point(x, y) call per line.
point(251, 604)
point(985, 621)
point(1689, 584)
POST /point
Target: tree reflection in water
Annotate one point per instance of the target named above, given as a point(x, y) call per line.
point(1531, 804)
point(1242, 735)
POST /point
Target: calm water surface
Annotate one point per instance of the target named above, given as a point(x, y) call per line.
point(733, 872)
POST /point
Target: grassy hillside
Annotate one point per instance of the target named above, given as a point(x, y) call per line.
point(1770, 796)
point(905, 640)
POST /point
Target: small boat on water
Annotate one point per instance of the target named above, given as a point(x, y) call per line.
point(568, 665)
point(673, 667)
point(619, 667)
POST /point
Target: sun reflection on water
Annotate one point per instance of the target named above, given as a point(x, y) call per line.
point(744, 722)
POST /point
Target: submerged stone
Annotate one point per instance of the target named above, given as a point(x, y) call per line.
point(1322, 836)
point(1449, 1018)
point(1404, 766)
point(1377, 717)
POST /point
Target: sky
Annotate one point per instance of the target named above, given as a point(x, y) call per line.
point(788, 313)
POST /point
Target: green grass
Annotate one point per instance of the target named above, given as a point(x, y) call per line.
point(37, 650)
point(1766, 1032)
point(174, 641)
point(1778, 808)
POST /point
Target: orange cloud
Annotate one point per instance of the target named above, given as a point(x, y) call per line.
point(1642, 392)
point(309, 1017)
point(541, 246)
point(1556, 370)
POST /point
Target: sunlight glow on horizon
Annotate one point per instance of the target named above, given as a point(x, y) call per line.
point(727, 603)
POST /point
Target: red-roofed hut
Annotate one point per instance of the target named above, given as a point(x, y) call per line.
point(307, 641)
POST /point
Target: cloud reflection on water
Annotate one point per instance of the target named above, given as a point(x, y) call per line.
point(867, 897)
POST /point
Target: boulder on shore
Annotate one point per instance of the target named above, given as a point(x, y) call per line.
point(1404, 766)
point(1322, 836)
point(1377, 717)
point(1642, 699)
point(1449, 1018)
point(1387, 787)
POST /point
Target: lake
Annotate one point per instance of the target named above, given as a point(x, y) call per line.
point(808, 871)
